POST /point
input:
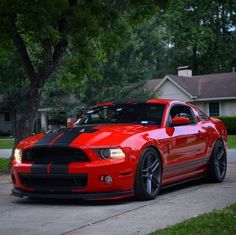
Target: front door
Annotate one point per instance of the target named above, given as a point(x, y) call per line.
point(186, 146)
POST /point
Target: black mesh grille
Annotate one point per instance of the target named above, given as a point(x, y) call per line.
point(54, 154)
point(54, 182)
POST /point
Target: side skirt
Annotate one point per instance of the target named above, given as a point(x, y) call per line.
point(183, 182)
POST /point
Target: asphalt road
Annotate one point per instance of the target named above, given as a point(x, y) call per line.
point(24, 216)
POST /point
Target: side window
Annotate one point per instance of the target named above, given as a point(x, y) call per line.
point(202, 116)
point(181, 111)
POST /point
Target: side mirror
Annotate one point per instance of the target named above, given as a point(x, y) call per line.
point(176, 121)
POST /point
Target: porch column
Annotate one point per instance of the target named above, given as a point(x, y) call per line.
point(44, 121)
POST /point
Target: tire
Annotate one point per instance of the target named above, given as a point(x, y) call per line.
point(148, 175)
point(218, 163)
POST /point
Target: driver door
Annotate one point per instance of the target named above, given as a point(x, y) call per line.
point(186, 146)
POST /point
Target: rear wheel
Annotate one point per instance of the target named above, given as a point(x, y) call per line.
point(218, 163)
point(148, 175)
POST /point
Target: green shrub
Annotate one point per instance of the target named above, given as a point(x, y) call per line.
point(230, 123)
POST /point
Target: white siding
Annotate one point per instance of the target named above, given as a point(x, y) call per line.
point(168, 90)
point(203, 106)
point(228, 108)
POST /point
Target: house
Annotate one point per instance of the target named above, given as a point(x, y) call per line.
point(215, 94)
point(44, 120)
point(5, 118)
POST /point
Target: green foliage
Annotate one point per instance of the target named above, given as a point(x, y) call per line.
point(4, 165)
point(81, 23)
point(202, 34)
point(216, 222)
point(230, 123)
point(152, 48)
point(187, 32)
point(42, 32)
point(6, 143)
point(105, 50)
point(126, 70)
point(232, 141)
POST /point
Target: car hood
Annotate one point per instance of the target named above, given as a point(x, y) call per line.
point(87, 135)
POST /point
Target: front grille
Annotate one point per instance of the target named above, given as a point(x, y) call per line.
point(54, 182)
point(54, 154)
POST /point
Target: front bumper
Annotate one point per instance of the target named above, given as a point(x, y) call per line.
point(85, 196)
point(60, 185)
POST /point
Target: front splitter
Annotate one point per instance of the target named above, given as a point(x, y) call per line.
point(85, 196)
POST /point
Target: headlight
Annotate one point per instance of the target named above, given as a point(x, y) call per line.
point(18, 155)
point(113, 153)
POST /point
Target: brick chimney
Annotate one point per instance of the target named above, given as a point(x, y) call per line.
point(184, 71)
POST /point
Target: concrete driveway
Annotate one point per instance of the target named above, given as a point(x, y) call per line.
point(24, 216)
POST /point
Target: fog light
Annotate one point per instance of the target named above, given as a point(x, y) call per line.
point(107, 179)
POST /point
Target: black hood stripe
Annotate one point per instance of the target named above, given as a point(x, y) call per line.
point(64, 136)
point(48, 138)
point(72, 133)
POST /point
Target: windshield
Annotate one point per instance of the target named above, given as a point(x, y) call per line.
point(140, 113)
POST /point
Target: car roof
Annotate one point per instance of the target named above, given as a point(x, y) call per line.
point(154, 101)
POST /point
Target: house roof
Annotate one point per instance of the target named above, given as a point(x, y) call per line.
point(221, 85)
point(150, 85)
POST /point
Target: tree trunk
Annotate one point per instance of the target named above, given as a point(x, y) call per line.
point(51, 56)
point(27, 118)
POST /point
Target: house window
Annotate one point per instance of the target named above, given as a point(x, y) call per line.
point(7, 116)
point(214, 109)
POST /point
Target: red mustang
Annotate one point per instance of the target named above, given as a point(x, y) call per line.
point(119, 150)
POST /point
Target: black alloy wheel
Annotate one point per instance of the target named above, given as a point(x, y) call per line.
point(218, 163)
point(148, 175)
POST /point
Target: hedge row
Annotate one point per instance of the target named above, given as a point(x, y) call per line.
point(230, 123)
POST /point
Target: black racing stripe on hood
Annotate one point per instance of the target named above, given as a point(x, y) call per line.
point(48, 138)
point(67, 135)
point(71, 133)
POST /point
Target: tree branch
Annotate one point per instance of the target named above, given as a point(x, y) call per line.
point(59, 51)
point(22, 51)
point(51, 60)
point(63, 43)
point(48, 64)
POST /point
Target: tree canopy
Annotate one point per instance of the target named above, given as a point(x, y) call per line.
point(97, 50)
point(41, 33)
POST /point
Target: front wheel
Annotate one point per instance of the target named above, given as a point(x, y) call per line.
point(218, 163)
point(148, 175)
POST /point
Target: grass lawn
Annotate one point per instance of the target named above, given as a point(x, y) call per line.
point(6, 143)
point(222, 222)
point(4, 165)
point(232, 141)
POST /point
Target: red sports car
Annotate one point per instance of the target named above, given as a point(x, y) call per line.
point(118, 150)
